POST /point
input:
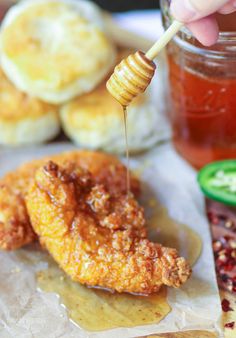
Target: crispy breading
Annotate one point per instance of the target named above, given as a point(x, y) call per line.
point(15, 227)
point(97, 238)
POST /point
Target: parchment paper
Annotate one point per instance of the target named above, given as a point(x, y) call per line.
point(27, 313)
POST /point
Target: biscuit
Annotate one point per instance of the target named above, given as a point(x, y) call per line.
point(95, 121)
point(23, 119)
point(55, 49)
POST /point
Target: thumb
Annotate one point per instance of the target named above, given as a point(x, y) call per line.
point(191, 10)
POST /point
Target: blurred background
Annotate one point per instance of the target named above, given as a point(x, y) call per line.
point(126, 5)
point(114, 6)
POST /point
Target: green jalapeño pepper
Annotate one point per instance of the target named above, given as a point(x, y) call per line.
point(218, 181)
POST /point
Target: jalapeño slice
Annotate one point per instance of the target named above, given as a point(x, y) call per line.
point(218, 181)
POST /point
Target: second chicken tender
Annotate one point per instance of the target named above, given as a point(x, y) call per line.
point(98, 239)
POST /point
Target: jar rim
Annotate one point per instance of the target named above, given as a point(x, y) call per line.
point(225, 47)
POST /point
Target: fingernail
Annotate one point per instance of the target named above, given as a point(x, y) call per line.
point(183, 10)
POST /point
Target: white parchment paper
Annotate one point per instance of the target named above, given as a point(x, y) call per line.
point(26, 312)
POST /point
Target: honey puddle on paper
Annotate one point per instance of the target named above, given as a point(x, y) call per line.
point(97, 310)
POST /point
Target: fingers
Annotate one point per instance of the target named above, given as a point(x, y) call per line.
point(230, 7)
point(192, 10)
point(205, 30)
point(198, 15)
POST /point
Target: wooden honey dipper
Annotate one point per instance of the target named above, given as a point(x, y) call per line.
point(132, 76)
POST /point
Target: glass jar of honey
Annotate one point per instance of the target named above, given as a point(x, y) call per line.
point(202, 93)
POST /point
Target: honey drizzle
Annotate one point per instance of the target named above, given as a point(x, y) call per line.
point(127, 149)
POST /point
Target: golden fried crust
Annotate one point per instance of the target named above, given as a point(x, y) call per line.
point(98, 239)
point(48, 48)
point(15, 228)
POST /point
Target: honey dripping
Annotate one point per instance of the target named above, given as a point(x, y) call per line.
point(127, 149)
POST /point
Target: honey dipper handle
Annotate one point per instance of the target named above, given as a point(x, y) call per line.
point(164, 39)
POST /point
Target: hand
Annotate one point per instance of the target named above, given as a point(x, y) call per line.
point(199, 16)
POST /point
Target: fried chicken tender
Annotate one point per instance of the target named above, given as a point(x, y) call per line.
point(15, 227)
point(97, 238)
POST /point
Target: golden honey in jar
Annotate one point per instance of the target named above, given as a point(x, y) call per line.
point(202, 93)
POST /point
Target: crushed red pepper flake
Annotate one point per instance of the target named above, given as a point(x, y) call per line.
point(221, 220)
point(224, 247)
point(225, 259)
point(230, 325)
point(226, 305)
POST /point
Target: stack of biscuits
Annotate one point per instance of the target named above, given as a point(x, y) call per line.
point(55, 59)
